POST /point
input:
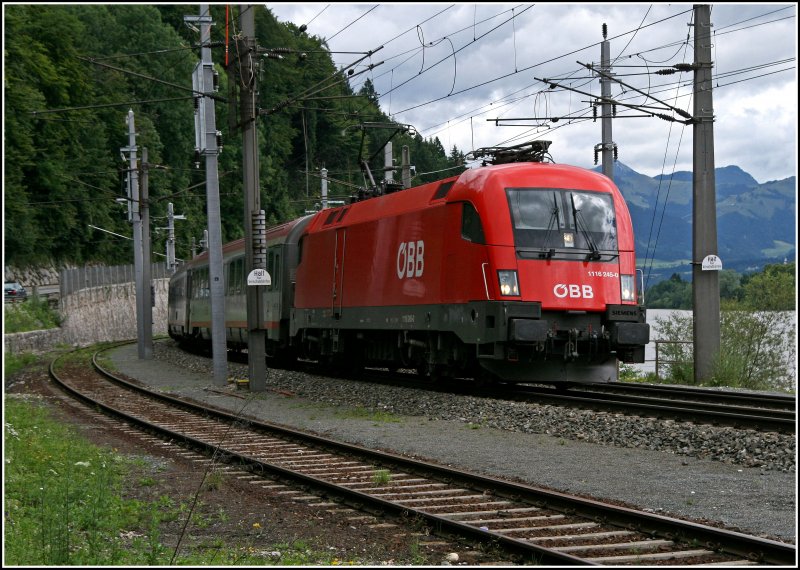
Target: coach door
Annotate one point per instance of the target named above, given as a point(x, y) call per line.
point(187, 298)
point(338, 273)
point(272, 295)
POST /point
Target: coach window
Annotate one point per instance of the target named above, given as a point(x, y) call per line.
point(235, 276)
point(471, 228)
point(205, 291)
point(239, 276)
point(274, 267)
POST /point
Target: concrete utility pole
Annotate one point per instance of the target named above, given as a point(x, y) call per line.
point(248, 62)
point(170, 239)
point(705, 263)
point(135, 218)
point(207, 144)
point(388, 163)
point(172, 263)
point(406, 167)
point(606, 107)
point(324, 189)
point(147, 292)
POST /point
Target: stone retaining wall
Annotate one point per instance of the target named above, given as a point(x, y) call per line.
point(100, 314)
point(32, 341)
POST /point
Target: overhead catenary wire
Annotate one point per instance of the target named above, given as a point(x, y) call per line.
point(426, 130)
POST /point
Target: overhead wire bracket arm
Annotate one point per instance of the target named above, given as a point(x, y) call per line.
point(599, 97)
point(681, 112)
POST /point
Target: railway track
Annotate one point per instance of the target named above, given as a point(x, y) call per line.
point(714, 407)
point(532, 525)
point(723, 408)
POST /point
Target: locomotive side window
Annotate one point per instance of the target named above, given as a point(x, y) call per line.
point(331, 217)
point(471, 228)
point(442, 190)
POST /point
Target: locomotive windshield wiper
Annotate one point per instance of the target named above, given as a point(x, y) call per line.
point(594, 253)
point(548, 253)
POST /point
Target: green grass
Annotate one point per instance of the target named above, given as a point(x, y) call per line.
point(381, 477)
point(361, 413)
point(30, 315)
point(64, 506)
point(63, 502)
point(780, 248)
point(13, 363)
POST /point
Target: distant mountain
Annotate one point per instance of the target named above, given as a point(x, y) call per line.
point(756, 223)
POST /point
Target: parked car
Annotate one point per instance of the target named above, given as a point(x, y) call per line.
point(14, 292)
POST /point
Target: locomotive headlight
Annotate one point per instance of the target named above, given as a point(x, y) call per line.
point(509, 286)
point(627, 288)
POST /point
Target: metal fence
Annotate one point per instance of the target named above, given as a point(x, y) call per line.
point(87, 277)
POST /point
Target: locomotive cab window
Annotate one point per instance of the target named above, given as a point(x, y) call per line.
point(547, 219)
point(471, 228)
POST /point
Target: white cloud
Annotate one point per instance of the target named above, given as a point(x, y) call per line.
point(756, 117)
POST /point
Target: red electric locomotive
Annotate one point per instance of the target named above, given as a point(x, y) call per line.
point(516, 272)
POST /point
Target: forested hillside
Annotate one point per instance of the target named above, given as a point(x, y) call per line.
point(72, 72)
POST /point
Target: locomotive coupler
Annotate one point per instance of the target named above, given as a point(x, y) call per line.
point(571, 348)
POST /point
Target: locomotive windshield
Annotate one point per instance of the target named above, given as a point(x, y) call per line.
point(556, 221)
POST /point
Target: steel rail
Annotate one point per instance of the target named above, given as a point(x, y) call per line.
point(716, 414)
point(781, 401)
point(752, 548)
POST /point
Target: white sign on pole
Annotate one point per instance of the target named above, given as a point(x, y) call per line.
point(259, 277)
point(712, 263)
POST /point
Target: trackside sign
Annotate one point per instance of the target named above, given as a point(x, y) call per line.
point(259, 277)
point(712, 263)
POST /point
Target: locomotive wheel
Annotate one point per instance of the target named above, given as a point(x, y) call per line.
point(485, 379)
point(434, 373)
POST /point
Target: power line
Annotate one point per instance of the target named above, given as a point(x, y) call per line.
point(351, 23)
point(154, 79)
point(681, 45)
point(107, 105)
point(445, 59)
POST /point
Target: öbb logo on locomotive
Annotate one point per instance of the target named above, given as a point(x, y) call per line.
point(410, 259)
point(574, 291)
point(469, 277)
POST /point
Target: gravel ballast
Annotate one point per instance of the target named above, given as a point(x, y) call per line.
point(743, 479)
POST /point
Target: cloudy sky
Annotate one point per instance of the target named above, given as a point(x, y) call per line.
point(451, 70)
